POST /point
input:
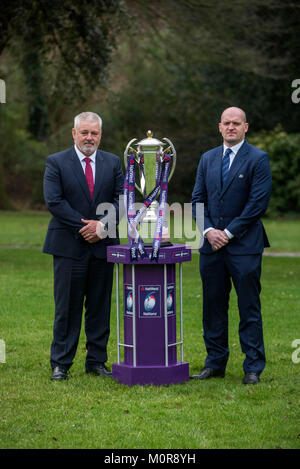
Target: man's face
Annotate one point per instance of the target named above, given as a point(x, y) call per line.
point(87, 137)
point(233, 126)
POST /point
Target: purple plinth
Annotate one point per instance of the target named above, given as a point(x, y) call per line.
point(156, 375)
point(152, 361)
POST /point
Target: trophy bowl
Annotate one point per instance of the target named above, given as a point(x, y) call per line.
point(149, 154)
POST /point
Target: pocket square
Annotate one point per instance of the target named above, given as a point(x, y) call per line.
point(241, 176)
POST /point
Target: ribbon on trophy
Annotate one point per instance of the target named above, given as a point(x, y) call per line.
point(162, 176)
point(135, 242)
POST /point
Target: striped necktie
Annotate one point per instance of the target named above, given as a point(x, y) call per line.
point(225, 165)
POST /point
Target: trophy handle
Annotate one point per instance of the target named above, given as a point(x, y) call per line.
point(173, 153)
point(135, 156)
point(127, 150)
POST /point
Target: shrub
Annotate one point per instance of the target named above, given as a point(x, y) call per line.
point(284, 151)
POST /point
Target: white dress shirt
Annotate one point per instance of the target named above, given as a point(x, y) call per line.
point(234, 151)
point(92, 157)
point(81, 156)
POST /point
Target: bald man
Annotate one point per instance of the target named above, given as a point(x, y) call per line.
point(234, 183)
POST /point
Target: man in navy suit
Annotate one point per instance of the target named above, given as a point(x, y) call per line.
point(234, 183)
point(76, 182)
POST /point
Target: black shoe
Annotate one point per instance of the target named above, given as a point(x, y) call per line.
point(59, 373)
point(251, 378)
point(206, 373)
point(100, 370)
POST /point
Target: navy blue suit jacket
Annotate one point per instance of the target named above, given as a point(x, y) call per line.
point(68, 199)
point(238, 205)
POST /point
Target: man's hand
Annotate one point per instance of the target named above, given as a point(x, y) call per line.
point(89, 231)
point(217, 238)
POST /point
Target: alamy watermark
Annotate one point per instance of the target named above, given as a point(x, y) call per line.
point(296, 93)
point(184, 226)
point(296, 353)
point(2, 92)
point(2, 351)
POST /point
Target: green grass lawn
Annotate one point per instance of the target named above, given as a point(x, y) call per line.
point(284, 235)
point(90, 412)
point(28, 228)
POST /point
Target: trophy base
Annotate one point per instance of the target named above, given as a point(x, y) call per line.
point(163, 244)
point(156, 375)
point(147, 233)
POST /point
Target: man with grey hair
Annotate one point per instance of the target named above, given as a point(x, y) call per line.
point(87, 116)
point(76, 182)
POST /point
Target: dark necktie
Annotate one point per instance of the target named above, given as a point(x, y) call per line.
point(225, 165)
point(89, 175)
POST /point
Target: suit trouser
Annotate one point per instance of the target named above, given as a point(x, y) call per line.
point(88, 279)
point(217, 270)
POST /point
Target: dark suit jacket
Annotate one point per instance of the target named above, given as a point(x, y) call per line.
point(238, 205)
point(68, 200)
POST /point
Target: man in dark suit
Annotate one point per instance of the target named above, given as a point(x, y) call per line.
point(76, 182)
point(234, 183)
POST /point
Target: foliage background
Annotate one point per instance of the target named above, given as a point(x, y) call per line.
point(170, 66)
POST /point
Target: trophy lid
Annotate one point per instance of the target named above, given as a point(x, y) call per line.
point(150, 141)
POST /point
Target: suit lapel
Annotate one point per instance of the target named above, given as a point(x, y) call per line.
point(217, 166)
point(239, 159)
point(79, 174)
point(99, 174)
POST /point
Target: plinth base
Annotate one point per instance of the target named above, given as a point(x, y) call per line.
point(157, 375)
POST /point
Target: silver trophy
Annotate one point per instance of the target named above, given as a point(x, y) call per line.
point(152, 151)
